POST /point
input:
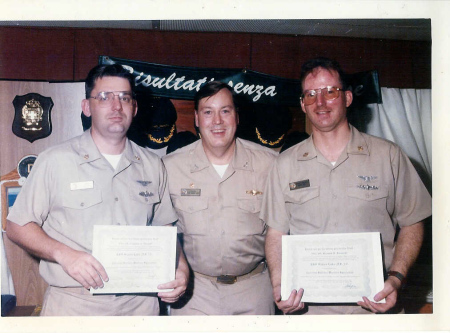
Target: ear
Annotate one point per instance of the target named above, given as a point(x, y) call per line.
point(348, 98)
point(302, 105)
point(85, 107)
point(196, 118)
point(135, 109)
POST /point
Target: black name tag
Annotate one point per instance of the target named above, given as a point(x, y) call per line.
point(191, 192)
point(299, 184)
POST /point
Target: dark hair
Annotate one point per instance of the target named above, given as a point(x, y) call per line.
point(326, 63)
point(210, 89)
point(100, 71)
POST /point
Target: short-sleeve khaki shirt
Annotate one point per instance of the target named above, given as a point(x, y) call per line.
point(72, 187)
point(219, 217)
point(373, 187)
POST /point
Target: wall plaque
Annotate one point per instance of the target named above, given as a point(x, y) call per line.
point(32, 116)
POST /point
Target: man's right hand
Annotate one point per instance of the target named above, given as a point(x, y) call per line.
point(292, 304)
point(83, 267)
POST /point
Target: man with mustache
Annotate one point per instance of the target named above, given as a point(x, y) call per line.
point(322, 185)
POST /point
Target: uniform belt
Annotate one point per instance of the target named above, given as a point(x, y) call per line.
point(230, 279)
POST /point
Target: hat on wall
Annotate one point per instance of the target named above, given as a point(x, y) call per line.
point(272, 122)
point(180, 140)
point(154, 125)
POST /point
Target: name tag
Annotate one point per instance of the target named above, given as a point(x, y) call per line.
point(299, 184)
point(81, 185)
point(191, 192)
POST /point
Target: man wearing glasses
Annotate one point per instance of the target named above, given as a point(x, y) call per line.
point(96, 178)
point(315, 187)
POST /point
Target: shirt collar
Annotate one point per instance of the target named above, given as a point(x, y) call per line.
point(306, 151)
point(199, 161)
point(89, 152)
point(241, 159)
point(356, 146)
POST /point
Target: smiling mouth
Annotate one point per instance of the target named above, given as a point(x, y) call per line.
point(218, 131)
point(322, 112)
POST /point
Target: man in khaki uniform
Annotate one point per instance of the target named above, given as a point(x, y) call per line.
point(342, 181)
point(98, 178)
point(216, 185)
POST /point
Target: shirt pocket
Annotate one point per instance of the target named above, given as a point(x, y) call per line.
point(192, 213)
point(248, 221)
point(302, 196)
point(252, 205)
point(82, 199)
point(304, 210)
point(354, 191)
point(144, 195)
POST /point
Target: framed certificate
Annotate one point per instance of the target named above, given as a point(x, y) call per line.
point(136, 258)
point(332, 268)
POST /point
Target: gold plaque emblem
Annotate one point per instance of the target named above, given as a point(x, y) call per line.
point(32, 116)
point(32, 113)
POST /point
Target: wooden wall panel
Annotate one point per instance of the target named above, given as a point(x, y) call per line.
point(36, 54)
point(400, 64)
point(185, 115)
point(276, 55)
point(65, 117)
point(225, 50)
point(28, 284)
point(63, 54)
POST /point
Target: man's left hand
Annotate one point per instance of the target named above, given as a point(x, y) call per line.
point(179, 286)
point(389, 293)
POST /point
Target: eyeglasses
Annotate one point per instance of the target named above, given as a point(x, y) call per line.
point(106, 98)
point(329, 93)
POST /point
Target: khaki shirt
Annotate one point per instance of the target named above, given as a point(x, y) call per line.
point(72, 187)
point(219, 217)
point(372, 187)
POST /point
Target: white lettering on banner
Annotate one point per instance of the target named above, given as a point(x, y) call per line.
point(252, 89)
point(172, 82)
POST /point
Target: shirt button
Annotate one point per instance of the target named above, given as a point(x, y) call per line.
point(82, 204)
point(334, 196)
point(117, 199)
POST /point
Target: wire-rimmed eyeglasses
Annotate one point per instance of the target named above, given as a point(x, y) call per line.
point(106, 98)
point(329, 93)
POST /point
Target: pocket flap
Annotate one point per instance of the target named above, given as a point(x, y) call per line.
point(82, 199)
point(302, 195)
point(250, 205)
point(145, 195)
point(368, 195)
point(190, 205)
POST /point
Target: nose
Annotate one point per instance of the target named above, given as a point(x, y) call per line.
point(217, 118)
point(320, 100)
point(116, 103)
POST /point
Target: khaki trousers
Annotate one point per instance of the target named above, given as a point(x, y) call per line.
point(252, 296)
point(80, 302)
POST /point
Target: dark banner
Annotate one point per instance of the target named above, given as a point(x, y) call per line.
point(183, 82)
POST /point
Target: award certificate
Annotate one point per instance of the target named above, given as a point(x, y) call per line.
point(136, 258)
point(332, 268)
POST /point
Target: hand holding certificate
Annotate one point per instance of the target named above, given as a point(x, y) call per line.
point(136, 258)
point(332, 268)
